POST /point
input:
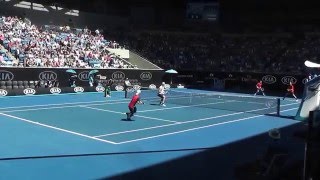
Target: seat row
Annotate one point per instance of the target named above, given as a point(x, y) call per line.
point(26, 84)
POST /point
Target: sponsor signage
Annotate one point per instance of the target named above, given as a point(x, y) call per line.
point(78, 89)
point(100, 89)
point(83, 76)
point(118, 75)
point(29, 91)
point(271, 104)
point(269, 79)
point(48, 76)
point(145, 76)
point(6, 75)
point(152, 86)
point(287, 79)
point(119, 88)
point(304, 81)
point(130, 89)
point(136, 87)
point(55, 90)
point(3, 92)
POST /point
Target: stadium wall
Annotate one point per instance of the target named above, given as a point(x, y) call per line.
point(143, 78)
point(274, 84)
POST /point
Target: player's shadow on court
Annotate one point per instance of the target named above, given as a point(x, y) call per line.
point(154, 104)
point(281, 116)
point(131, 120)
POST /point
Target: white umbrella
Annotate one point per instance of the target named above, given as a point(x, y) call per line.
point(171, 71)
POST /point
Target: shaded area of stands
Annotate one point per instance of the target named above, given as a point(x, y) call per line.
point(272, 53)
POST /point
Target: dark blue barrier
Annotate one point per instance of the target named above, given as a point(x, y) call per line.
point(53, 90)
point(143, 77)
point(15, 80)
point(274, 84)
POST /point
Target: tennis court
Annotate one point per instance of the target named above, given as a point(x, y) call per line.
point(87, 136)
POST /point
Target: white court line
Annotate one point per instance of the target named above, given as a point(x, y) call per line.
point(85, 102)
point(62, 94)
point(268, 108)
point(39, 95)
point(178, 123)
point(192, 129)
point(124, 114)
point(58, 107)
point(73, 103)
point(115, 101)
point(253, 102)
point(225, 94)
point(56, 128)
point(178, 107)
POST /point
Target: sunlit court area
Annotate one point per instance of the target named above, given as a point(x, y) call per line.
point(196, 89)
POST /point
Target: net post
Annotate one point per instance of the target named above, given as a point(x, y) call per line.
point(278, 106)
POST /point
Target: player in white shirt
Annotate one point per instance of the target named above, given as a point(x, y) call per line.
point(161, 94)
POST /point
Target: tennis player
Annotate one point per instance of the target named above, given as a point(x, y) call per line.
point(107, 88)
point(161, 94)
point(259, 88)
point(107, 91)
point(132, 105)
point(290, 90)
point(127, 85)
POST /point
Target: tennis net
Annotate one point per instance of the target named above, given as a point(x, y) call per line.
point(229, 102)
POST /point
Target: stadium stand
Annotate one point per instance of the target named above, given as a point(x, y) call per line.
point(273, 53)
point(51, 46)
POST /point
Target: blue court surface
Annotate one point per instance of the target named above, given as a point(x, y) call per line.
point(86, 136)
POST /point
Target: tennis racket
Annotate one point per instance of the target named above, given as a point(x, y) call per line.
point(262, 89)
point(166, 89)
point(140, 102)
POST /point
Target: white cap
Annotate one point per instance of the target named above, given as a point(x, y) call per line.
point(138, 91)
point(163, 83)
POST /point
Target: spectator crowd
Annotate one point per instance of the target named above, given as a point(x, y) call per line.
point(274, 53)
point(47, 46)
point(25, 45)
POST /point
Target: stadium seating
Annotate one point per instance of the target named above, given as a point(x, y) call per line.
point(26, 84)
point(53, 46)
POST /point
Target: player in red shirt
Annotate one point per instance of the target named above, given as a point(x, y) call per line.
point(132, 105)
point(290, 90)
point(259, 88)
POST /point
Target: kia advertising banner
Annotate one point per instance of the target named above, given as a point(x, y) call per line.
point(141, 77)
point(274, 84)
point(14, 81)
